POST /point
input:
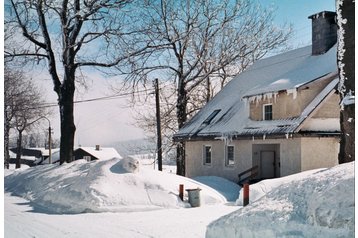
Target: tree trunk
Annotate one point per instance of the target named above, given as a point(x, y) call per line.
point(208, 90)
point(68, 128)
point(347, 145)
point(6, 142)
point(182, 117)
point(19, 150)
point(346, 62)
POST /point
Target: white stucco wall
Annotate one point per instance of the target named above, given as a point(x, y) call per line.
point(295, 155)
point(290, 150)
point(289, 154)
point(319, 152)
point(195, 164)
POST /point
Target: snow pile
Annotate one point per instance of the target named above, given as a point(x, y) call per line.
point(263, 187)
point(128, 164)
point(12, 169)
point(101, 186)
point(227, 188)
point(320, 204)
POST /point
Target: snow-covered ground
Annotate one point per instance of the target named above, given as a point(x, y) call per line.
point(119, 198)
point(22, 221)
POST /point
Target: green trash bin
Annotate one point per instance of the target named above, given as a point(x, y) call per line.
point(194, 197)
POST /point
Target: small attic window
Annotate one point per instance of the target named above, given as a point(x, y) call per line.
point(211, 116)
point(267, 112)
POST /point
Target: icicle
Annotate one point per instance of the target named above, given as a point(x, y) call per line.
point(264, 137)
point(246, 101)
point(287, 135)
point(275, 97)
point(253, 138)
point(293, 92)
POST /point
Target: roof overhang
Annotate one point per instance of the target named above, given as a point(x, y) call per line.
point(291, 89)
point(261, 136)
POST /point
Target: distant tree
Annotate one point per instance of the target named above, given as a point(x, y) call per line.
point(346, 69)
point(199, 41)
point(69, 35)
point(23, 107)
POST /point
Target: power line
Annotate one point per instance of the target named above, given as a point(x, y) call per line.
point(111, 97)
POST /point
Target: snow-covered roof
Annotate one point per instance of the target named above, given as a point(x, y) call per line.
point(44, 151)
point(12, 154)
point(55, 157)
point(104, 153)
point(284, 72)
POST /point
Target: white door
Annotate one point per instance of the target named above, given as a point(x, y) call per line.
point(267, 164)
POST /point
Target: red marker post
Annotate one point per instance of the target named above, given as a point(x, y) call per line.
point(181, 191)
point(246, 194)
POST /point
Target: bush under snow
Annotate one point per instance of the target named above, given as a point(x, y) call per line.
point(312, 204)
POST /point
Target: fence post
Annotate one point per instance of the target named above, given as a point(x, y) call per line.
point(246, 194)
point(181, 191)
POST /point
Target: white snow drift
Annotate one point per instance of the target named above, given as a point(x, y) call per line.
point(100, 186)
point(312, 204)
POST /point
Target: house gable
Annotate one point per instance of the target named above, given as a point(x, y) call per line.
point(102, 153)
point(287, 103)
point(83, 154)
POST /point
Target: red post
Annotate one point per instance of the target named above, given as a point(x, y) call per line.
point(181, 191)
point(246, 194)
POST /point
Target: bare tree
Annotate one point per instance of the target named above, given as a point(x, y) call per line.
point(346, 60)
point(69, 35)
point(13, 88)
point(200, 40)
point(23, 107)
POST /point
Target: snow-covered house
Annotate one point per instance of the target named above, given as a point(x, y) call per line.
point(279, 117)
point(28, 155)
point(95, 153)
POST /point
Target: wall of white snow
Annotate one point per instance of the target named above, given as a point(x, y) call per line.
point(312, 204)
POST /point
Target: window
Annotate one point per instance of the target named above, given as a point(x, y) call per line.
point(87, 157)
point(211, 116)
point(267, 112)
point(207, 154)
point(230, 155)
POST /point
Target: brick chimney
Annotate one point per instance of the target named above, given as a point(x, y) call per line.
point(98, 147)
point(324, 31)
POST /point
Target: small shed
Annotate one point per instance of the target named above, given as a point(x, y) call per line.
point(95, 153)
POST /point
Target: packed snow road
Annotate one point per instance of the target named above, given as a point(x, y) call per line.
point(21, 220)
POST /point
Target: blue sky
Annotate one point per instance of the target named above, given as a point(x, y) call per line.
point(296, 12)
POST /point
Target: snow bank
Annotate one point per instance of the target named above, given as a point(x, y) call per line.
point(227, 188)
point(260, 189)
point(12, 169)
point(320, 204)
point(102, 186)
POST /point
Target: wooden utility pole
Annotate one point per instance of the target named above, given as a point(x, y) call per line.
point(159, 133)
point(49, 145)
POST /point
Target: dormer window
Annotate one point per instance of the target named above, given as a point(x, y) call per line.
point(211, 116)
point(267, 112)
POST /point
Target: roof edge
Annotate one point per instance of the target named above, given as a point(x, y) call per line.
point(322, 77)
point(331, 90)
